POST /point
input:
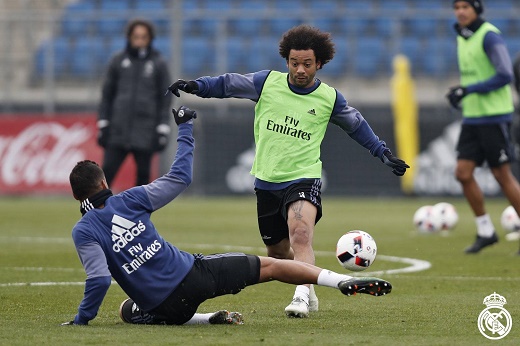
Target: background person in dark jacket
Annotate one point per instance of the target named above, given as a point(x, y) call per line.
point(134, 113)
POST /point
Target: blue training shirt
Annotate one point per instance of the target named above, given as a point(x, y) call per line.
point(120, 241)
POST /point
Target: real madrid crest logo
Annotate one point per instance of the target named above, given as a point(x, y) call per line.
point(494, 322)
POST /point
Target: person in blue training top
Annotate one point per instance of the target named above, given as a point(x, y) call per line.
point(116, 238)
point(485, 98)
point(292, 113)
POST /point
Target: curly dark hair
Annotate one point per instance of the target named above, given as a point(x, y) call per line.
point(140, 22)
point(85, 178)
point(303, 37)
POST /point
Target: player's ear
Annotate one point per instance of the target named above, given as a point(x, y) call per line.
point(104, 184)
point(318, 65)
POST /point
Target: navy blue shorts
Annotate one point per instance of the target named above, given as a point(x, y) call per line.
point(272, 208)
point(210, 277)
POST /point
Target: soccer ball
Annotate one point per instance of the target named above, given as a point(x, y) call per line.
point(356, 250)
point(510, 220)
point(445, 216)
point(424, 220)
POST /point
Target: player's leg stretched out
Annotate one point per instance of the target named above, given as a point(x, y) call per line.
point(130, 313)
point(235, 272)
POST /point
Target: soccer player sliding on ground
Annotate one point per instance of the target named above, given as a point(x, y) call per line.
point(115, 238)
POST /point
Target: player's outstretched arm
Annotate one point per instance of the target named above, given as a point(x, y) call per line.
point(164, 189)
point(228, 85)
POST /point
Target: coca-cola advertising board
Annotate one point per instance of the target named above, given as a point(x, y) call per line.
point(38, 152)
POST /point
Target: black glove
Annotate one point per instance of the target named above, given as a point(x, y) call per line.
point(183, 115)
point(103, 135)
point(190, 87)
point(398, 166)
point(455, 95)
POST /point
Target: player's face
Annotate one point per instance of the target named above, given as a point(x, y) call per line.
point(302, 67)
point(465, 13)
point(140, 37)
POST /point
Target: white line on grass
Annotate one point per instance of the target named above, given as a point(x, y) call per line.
point(44, 240)
point(41, 269)
point(39, 284)
point(415, 265)
point(18, 284)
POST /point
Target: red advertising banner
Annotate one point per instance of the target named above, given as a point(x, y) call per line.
point(37, 153)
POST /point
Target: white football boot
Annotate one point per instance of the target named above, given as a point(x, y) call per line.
point(298, 308)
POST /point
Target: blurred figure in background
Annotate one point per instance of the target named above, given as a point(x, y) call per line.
point(134, 113)
point(487, 109)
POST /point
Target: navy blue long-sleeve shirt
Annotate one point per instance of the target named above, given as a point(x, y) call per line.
point(496, 50)
point(120, 241)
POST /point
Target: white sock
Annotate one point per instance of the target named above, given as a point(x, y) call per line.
point(200, 319)
point(485, 226)
point(302, 291)
point(331, 279)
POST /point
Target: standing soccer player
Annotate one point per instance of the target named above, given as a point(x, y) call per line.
point(116, 238)
point(487, 107)
point(291, 116)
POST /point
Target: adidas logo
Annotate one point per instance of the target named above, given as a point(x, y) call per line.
point(124, 231)
point(311, 112)
point(120, 225)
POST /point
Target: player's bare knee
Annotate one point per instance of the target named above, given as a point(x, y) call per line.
point(281, 250)
point(277, 255)
point(301, 237)
point(463, 176)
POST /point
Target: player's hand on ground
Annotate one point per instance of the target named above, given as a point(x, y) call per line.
point(189, 87)
point(184, 115)
point(455, 95)
point(398, 166)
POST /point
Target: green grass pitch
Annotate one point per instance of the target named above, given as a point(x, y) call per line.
point(437, 306)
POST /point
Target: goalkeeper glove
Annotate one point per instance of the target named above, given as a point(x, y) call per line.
point(184, 115)
point(398, 166)
point(455, 95)
point(190, 87)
